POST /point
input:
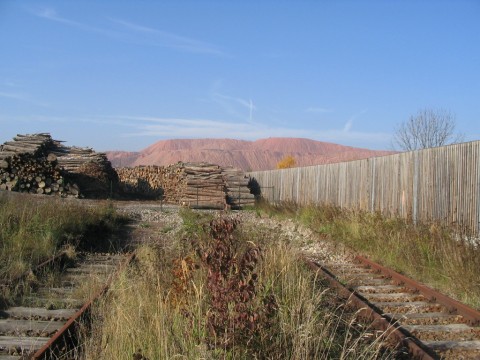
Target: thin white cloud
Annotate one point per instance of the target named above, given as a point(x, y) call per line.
point(235, 106)
point(52, 15)
point(207, 128)
point(23, 98)
point(348, 125)
point(138, 34)
point(167, 39)
point(186, 128)
point(246, 103)
point(319, 110)
point(10, 96)
point(11, 84)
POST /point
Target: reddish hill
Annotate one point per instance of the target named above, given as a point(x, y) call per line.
point(261, 154)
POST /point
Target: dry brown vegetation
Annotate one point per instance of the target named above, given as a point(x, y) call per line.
point(431, 253)
point(33, 229)
point(218, 290)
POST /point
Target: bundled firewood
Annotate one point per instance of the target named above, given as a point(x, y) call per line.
point(236, 185)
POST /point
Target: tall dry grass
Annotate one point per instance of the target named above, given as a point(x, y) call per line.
point(435, 254)
point(150, 312)
point(33, 229)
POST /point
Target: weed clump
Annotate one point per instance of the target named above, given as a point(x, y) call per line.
point(236, 315)
point(35, 229)
point(217, 295)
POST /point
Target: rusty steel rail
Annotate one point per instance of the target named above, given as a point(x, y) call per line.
point(64, 338)
point(392, 329)
point(471, 315)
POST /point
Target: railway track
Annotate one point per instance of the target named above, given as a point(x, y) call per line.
point(43, 322)
point(428, 324)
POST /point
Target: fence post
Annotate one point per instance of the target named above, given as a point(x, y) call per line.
point(372, 191)
point(415, 186)
point(477, 229)
point(298, 186)
point(281, 185)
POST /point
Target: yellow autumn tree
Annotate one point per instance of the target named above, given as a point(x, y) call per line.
point(287, 162)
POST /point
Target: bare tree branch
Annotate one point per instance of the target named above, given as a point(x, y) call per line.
point(428, 128)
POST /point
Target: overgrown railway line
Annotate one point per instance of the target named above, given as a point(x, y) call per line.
point(428, 324)
point(45, 320)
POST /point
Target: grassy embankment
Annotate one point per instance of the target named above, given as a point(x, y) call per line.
point(431, 253)
point(34, 229)
point(211, 292)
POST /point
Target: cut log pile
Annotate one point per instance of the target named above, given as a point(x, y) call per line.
point(38, 164)
point(197, 185)
point(36, 175)
point(238, 192)
point(203, 186)
point(36, 145)
point(152, 181)
point(91, 170)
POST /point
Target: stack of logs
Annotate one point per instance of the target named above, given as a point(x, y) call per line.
point(27, 166)
point(197, 185)
point(152, 181)
point(36, 175)
point(36, 144)
point(238, 192)
point(203, 186)
point(91, 170)
point(38, 164)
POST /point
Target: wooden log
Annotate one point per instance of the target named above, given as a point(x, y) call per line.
point(51, 157)
point(204, 190)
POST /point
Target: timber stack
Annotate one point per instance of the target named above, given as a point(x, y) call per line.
point(36, 175)
point(196, 185)
point(152, 181)
point(238, 192)
point(91, 170)
point(38, 164)
point(203, 186)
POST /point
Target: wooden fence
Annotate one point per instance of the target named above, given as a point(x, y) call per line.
point(441, 184)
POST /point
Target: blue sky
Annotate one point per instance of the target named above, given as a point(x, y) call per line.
point(120, 75)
